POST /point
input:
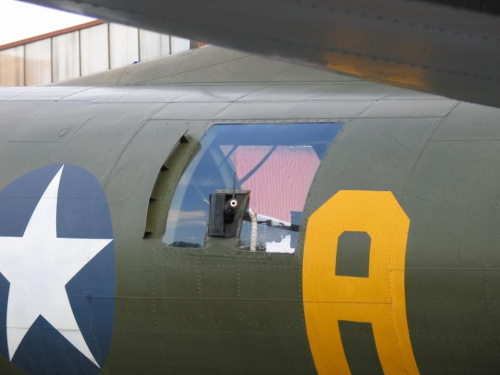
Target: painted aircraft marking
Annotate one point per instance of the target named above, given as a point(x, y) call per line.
point(378, 299)
point(55, 253)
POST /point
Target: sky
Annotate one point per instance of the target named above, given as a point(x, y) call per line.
point(20, 20)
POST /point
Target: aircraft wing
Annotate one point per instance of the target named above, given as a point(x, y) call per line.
point(444, 47)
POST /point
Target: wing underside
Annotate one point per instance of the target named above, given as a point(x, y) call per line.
point(431, 46)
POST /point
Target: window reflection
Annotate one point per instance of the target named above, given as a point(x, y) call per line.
point(277, 163)
point(279, 188)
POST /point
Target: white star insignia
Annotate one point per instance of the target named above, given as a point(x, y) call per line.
point(38, 266)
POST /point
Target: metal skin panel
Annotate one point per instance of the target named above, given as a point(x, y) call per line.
point(220, 310)
point(209, 65)
point(446, 48)
point(463, 245)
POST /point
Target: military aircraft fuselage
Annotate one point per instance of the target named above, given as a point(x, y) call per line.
point(396, 262)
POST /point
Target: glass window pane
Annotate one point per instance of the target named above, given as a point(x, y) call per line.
point(94, 49)
point(66, 54)
point(277, 163)
point(124, 48)
point(179, 44)
point(12, 67)
point(153, 45)
point(38, 63)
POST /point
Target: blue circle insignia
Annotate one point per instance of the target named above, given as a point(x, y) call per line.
point(57, 265)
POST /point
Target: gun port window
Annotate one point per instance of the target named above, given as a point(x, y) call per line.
point(276, 163)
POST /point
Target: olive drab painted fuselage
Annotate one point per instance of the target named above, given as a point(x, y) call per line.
point(396, 264)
